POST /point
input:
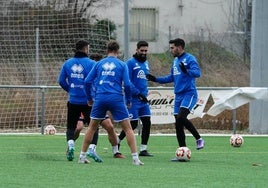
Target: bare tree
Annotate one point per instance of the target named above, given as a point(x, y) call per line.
point(240, 24)
point(81, 8)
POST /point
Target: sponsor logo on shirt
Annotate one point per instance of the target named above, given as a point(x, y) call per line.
point(136, 66)
point(108, 69)
point(77, 71)
point(72, 85)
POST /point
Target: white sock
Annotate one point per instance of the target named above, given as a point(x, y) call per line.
point(134, 156)
point(92, 147)
point(82, 154)
point(71, 143)
point(115, 149)
point(143, 147)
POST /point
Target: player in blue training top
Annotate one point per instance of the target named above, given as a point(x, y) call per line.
point(71, 79)
point(138, 67)
point(111, 76)
point(183, 73)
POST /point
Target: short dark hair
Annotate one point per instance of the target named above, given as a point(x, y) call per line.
point(112, 46)
point(96, 56)
point(178, 42)
point(142, 43)
point(81, 44)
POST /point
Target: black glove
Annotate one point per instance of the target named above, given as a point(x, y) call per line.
point(142, 98)
point(183, 68)
point(151, 77)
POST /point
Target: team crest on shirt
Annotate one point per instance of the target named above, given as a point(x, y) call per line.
point(141, 74)
point(175, 69)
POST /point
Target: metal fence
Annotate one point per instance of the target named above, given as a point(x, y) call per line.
point(31, 108)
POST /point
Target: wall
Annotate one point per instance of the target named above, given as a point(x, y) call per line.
point(185, 21)
point(259, 67)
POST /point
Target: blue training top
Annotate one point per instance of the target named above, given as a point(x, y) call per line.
point(137, 74)
point(72, 76)
point(110, 74)
point(183, 82)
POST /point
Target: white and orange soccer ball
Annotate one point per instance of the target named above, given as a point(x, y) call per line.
point(183, 154)
point(236, 140)
point(50, 130)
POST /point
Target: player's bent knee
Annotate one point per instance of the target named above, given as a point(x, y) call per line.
point(128, 131)
point(108, 127)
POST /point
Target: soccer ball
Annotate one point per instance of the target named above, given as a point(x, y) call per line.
point(50, 130)
point(236, 140)
point(183, 154)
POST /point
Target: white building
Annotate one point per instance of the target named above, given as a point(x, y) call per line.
point(157, 21)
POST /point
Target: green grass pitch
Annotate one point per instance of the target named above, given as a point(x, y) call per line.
point(39, 161)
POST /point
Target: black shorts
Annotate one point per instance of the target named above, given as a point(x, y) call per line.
point(75, 112)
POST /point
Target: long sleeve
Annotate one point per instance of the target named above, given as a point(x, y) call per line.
point(128, 86)
point(194, 70)
point(62, 79)
point(134, 90)
point(165, 79)
point(88, 83)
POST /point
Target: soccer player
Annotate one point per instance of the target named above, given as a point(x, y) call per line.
point(138, 67)
point(184, 71)
point(111, 76)
point(92, 147)
point(71, 79)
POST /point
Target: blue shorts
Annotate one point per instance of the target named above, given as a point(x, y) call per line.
point(139, 109)
point(109, 102)
point(184, 101)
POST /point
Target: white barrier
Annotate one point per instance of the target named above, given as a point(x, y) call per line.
point(229, 98)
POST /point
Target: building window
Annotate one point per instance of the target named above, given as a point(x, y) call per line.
point(143, 24)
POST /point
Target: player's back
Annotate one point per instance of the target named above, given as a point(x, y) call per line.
point(72, 76)
point(110, 75)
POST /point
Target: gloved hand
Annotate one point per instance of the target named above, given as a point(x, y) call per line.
point(183, 68)
point(151, 77)
point(142, 98)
